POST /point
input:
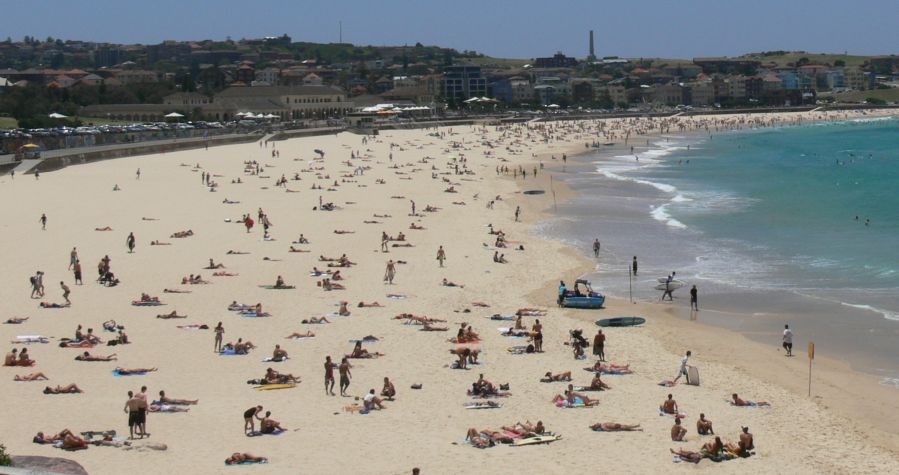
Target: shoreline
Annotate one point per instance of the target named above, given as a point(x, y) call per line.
point(852, 394)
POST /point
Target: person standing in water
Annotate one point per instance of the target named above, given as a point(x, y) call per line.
point(634, 266)
point(694, 298)
point(596, 248)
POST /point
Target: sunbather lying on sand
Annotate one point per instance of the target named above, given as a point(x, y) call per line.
point(166, 408)
point(224, 274)
point(67, 389)
point(245, 457)
point(134, 370)
point(737, 401)
point(213, 265)
point(308, 334)
point(183, 402)
point(30, 377)
point(615, 427)
point(54, 305)
point(172, 314)
point(176, 291)
point(89, 357)
point(159, 243)
point(18, 320)
point(293, 249)
point(526, 428)
point(530, 312)
point(687, 456)
point(69, 440)
point(549, 377)
point(570, 398)
point(147, 298)
point(373, 304)
point(274, 377)
point(427, 327)
point(315, 320)
point(359, 352)
point(182, 234)
point(447, 283)
point(610, 368)
point(104, 228)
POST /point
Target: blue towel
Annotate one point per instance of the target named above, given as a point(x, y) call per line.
point(116, 373)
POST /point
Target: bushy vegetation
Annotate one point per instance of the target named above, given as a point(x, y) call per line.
point(5, 459)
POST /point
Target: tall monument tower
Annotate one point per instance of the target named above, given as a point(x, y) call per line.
point(592, 55)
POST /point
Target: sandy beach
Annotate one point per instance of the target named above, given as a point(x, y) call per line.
point(848, 426)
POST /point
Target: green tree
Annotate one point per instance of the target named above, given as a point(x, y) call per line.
point(5, 459)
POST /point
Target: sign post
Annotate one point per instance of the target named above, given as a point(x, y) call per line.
point(811, 356)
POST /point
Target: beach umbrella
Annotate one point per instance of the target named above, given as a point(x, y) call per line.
point(31, 145)
point(174, 115)
point(57, 115)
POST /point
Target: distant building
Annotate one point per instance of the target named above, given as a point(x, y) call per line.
point(463, 82)
point(558, 60)
point(287, 103)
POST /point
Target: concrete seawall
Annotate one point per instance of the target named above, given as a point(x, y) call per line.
point(74, 157)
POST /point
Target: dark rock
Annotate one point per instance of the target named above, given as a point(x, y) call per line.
point(48, 464)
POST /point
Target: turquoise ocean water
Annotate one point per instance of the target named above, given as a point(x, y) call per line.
point(763, 221)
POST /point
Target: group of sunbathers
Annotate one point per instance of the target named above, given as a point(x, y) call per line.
point(487, 438)
point(20, 359)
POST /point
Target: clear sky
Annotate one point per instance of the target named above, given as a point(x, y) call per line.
point(502, 28)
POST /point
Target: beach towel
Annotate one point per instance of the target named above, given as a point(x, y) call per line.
point(578, 403)
point(396, 296)
point(254, 314)
point(269, 359)
point(230, 352)
point(257, 433)
point(248, 462)
point(583, 388)
point(170, 408)
point(116, 373)
point(483, 405)
point(31, 339)
point(680, 415)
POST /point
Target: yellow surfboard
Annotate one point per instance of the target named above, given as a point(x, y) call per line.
point(268, 387)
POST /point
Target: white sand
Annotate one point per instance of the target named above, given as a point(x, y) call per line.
point(422, 428)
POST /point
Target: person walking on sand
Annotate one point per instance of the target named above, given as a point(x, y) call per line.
point(73, 257)
point(65, 291)
point(132, 408)
point(634, 266)
point(682, 371)
point(599, 345)
point(345, 375)
point(138, 173)
point(596, 248)
point(517, 212)
point(694, 298)
point(43, 221)
point(441, 255)
point(77, 271)
point(219, 332)
point(413, 207)
point(788, 340)
point(385, 239)
point(390, 272)
point(130, 242)
point(329, 376)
